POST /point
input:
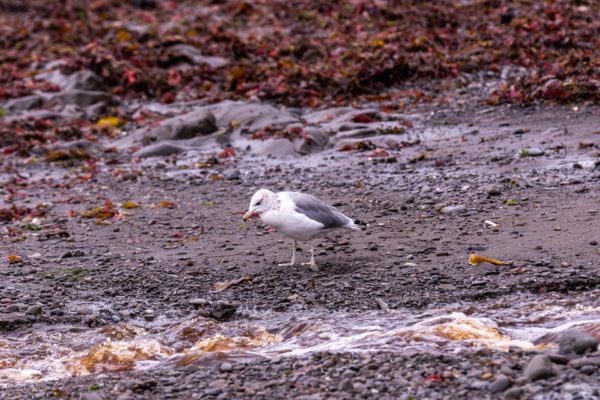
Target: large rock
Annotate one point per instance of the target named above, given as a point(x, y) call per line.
point(24, 103)
point(314, 141)
point(80, 80)
point(194, 56)
point(84, 80)
point(249, 117)
point(68, 104)
point(161, 149)
point(540, 367)
point(576, 341)
point(196, 123)
point(82, 98)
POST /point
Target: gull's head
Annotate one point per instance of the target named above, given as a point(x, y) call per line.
point(261, 202)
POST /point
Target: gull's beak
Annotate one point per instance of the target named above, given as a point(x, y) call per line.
point(249, 214)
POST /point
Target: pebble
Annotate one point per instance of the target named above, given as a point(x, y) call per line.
point(513, 393)
point(234, 175)
point(589, 369)
point(576, 341)
point(91, 396)
point(125, 395)
point(199, 301)
point(85, 310)
point(575, 388)
point(346, 385)
point(447, 286)
point(493, 190)
point(457, 209)
point(225, 367)
point(222, 311)
point(12, 308)
point(149, 315)
point(500, 384)
point(558, 358)
point(34, 310)
point(540, 367)
point(581, 362)
point(213, 392)
point(535, 152)
point(382, 304)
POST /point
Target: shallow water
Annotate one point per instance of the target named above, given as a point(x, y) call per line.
point(528, 322)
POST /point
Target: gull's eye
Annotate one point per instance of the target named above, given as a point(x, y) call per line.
point(258, 202)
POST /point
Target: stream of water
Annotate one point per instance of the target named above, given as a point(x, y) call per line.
point(525, 321)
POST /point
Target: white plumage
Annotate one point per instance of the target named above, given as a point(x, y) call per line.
point(300, 216)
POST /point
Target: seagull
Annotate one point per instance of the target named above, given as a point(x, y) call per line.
point(299, 216)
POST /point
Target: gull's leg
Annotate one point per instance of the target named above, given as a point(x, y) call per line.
point(312, 264)
point(293, 262)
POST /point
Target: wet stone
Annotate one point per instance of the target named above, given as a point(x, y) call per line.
point(577, 341)
point(225, 367)
point(125, 395)
point(535, 152)
point(213, 392)
point(24, 103)
point(581, 362)
point(34, 310)
point(493, 190)
point(540, 367)
point(91, 396)
point(12, 308)
point(159, 150)
point(457, 209)
point(234, 175)
point(12, 321)
point(447, 286)
point(477, 385)
point(500, 384)
point(588, 369)
point(558, 358)
point(222, 311)
point(514, 393)
point(346, 385)
point(199, 301)
point(199, 122)
point(83, 98)
point(149, 315)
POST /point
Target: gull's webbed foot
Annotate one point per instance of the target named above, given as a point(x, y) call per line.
point(312, 265)
point(290, 264)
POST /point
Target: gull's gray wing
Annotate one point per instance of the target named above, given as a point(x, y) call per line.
point(318, 211)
